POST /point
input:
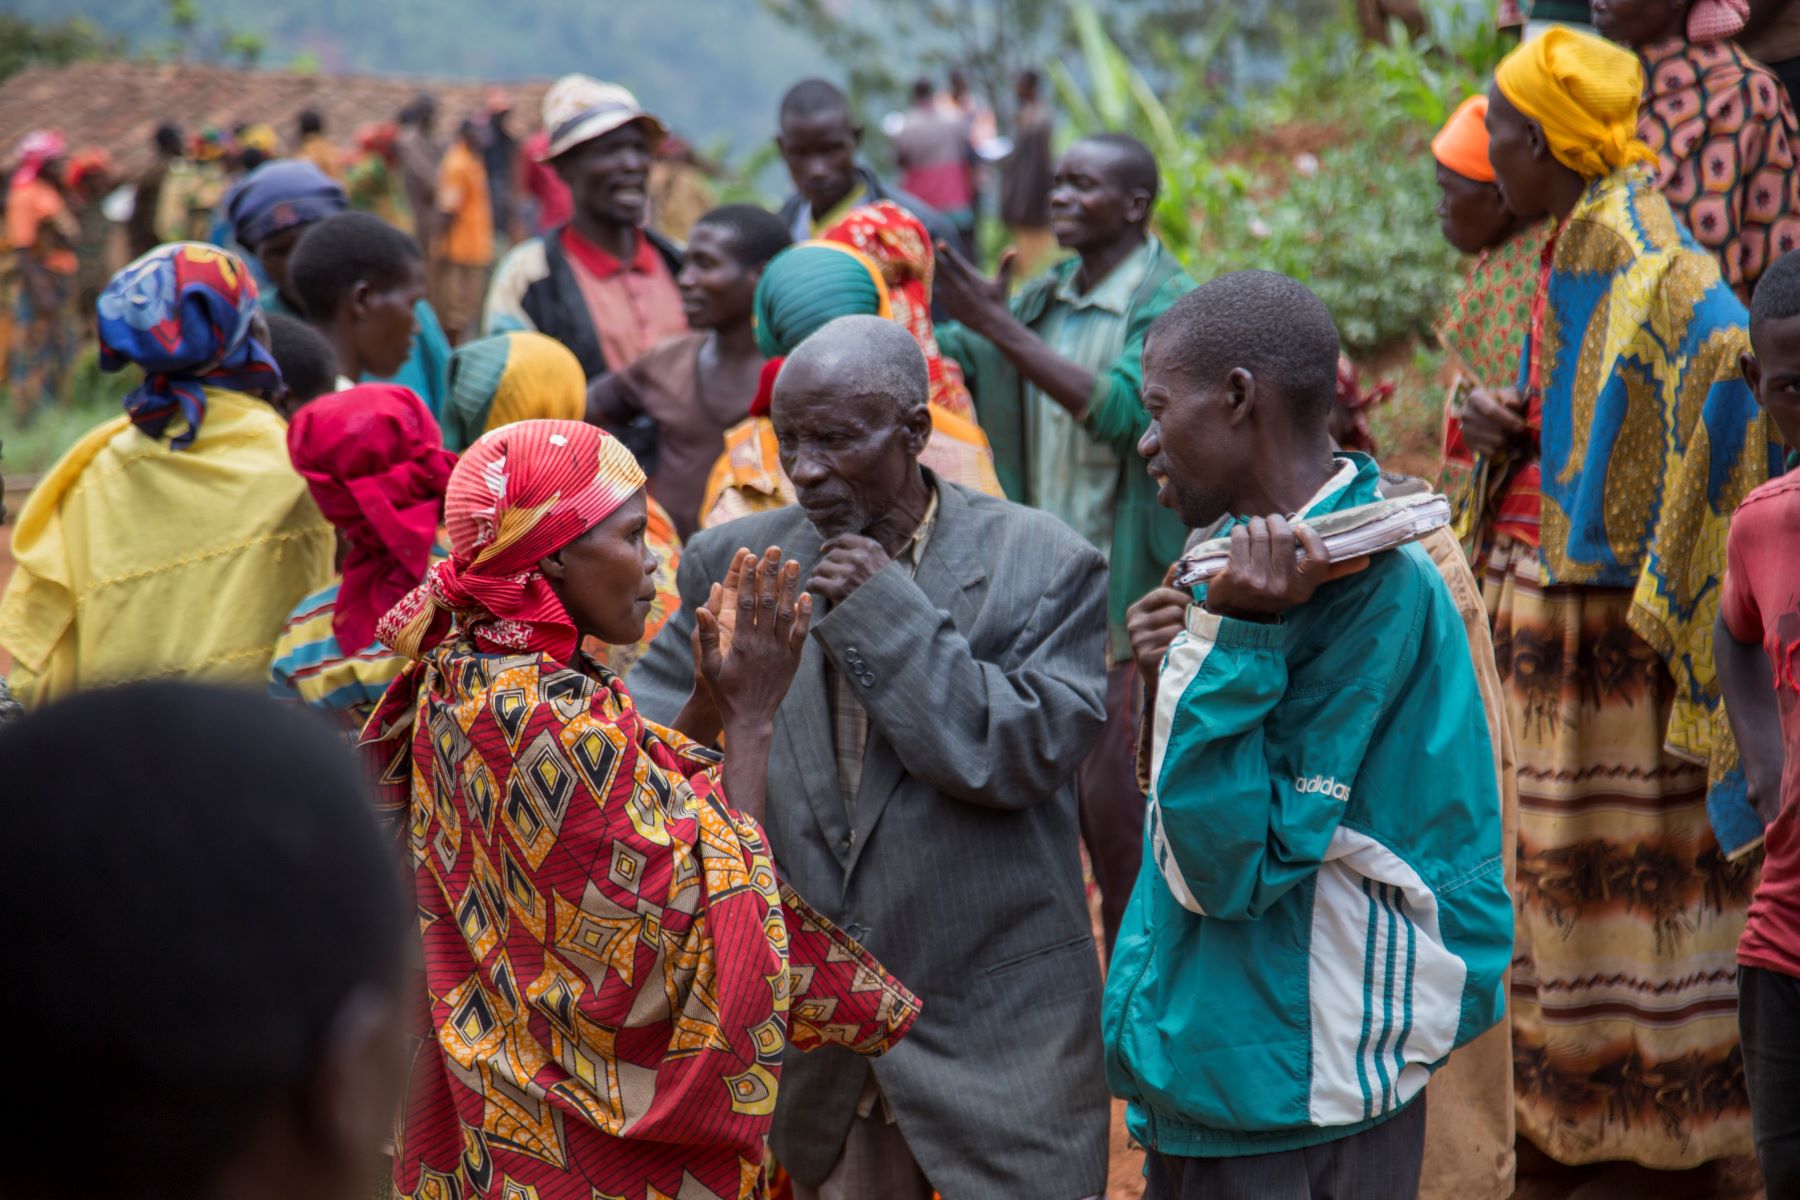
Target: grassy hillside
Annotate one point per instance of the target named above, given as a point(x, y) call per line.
point(713, 68)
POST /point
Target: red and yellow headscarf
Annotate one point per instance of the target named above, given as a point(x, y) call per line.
point(900, 247)
point(518, 494)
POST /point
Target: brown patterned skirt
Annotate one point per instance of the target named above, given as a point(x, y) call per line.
point(1624, 980)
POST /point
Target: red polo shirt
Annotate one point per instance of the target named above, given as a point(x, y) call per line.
point(634, 305)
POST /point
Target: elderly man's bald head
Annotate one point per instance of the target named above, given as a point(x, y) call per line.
point(851, 419)
point(861, 356)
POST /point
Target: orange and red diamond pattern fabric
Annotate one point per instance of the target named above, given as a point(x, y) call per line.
point(612, 968)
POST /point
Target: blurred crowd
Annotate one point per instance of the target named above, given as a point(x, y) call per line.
point(465, 186)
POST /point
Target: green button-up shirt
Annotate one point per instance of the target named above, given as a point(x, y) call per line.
point(1029, 431)
point(1067, 471)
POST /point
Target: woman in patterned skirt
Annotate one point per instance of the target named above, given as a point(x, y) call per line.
point(1645, 438)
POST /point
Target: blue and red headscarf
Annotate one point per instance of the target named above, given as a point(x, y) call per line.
point(183, 312)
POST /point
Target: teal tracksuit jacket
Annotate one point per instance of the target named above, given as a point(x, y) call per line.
point(1321, 916)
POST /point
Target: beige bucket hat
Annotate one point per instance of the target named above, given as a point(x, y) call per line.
point(580, 108)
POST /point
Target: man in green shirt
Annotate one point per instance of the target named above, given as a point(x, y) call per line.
point(1055, 374)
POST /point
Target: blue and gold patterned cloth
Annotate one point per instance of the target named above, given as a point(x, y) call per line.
point(1650, 439)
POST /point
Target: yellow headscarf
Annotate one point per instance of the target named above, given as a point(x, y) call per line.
point(510, 377)
point(1584, 92)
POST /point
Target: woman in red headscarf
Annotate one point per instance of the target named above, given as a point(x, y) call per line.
point(898, 244)
point(374, 460)
point(613, 969)
point(41, 233)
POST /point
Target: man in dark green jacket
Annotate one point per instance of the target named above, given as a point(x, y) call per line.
point(1055, 375)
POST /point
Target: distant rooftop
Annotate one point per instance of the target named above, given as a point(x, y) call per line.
point(117, 105)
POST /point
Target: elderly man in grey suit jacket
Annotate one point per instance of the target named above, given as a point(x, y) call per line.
point(921, 790)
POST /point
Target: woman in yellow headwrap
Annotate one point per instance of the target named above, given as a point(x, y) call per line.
point(525, 376)
point(1634, 438)
point(510, 377)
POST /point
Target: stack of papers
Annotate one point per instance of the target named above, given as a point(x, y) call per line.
point(1347, 533)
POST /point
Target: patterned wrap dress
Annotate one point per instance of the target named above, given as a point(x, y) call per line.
point(1629, 909)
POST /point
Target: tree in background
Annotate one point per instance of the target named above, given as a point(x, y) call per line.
point(884, 44)
point(214, 42)
point(26, 43)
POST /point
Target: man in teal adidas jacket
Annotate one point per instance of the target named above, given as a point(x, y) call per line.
point(1321, 916)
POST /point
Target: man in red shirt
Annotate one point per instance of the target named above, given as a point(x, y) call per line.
point(1757, 650)
point(601, 284)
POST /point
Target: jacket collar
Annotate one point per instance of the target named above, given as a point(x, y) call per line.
point(1357, 480)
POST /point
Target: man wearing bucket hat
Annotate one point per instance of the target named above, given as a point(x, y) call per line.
point(602, 283)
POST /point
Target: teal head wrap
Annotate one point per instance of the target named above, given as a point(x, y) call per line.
point(806, 286)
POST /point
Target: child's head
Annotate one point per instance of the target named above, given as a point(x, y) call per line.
point(1240, 376)
point(214, 936)
point(359, 280)
point(1772, 367)
point(308, 367)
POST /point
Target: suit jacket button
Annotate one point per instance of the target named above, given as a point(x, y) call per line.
point(868, 680)
point(849, 840)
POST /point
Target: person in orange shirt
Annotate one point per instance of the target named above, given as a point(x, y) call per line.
point(315, 147)
point(40, 233)
point(466, 246)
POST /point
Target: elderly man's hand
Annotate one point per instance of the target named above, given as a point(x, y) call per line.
point(849, 560)
point(1152, 624)
point(1266, 576)
point(968, 295)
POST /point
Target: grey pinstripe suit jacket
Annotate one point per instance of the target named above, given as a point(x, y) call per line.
point(984, 681)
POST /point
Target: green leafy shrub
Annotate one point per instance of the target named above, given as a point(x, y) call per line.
point(1352, 232)
point(1356, 222)
point(90, 397)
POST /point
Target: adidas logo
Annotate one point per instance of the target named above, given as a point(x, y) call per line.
point(1321, 785)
